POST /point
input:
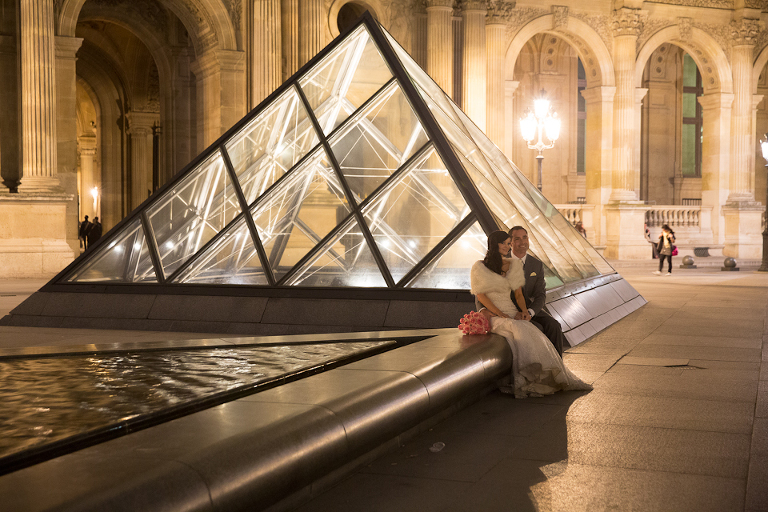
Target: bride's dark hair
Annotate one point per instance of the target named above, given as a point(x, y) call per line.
point(492, 258)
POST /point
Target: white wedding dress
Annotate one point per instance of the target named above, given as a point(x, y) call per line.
point(537, 369)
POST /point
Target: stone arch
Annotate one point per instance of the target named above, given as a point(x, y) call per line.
point(207, 21)
point(760, 62)
point(590, 47)
point(705, 51)
point(373, 6)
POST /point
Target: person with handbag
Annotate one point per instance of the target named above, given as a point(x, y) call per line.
point(666, 248)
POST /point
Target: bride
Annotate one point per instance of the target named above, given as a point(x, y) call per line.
point(536, 366)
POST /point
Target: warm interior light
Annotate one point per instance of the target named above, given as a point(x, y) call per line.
point(552, 126)
point(528, 126)
point(95, 192)
point(764, 147)
point(541, 108)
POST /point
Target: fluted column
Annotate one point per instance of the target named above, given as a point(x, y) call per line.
point(440, 43)
point(626, 26)
point(38, 102)
point(474, 62)
point(266, 75)
point(715, 158)
point(289, 18)
point(310, 29)
point(140, 129)
point(599, 153)
point(743, 34)
point(495, 37)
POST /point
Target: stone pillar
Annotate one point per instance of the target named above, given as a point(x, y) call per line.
point(86, 146)
point(289, 19)
point(311, 29)
point(626, 27)
point(140, 129)
point(511, 119)
point(743, 34)
point(474, 62)
point(38, 105)
point(220, 93)
point(266, 74)
point(440, 43)
point(639, 95)
point(66, 127)
point(599, 153)
point(179, 121)
point(495, 40)
point(715, 159)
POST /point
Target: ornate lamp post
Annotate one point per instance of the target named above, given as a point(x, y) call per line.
point(544, 121)
point(764, 265)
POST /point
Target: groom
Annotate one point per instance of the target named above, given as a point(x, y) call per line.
point(534, 290)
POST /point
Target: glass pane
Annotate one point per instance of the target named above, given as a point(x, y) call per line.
point(231, 260)
point(378, 141)
point(450, 271)
point(345, 260)
point(689, 104)
point(689, 71)
point(293, 217)
point(192, 212)
point(345, 79)
point(124, 260)
point(689, 150)
point(271, 144)
point(414, 212)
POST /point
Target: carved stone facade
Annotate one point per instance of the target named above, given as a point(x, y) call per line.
point(195, 67)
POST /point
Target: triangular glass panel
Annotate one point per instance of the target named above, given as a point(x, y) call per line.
point(377, 141)
point(299, 212)
point(449, 269)
point(413, 212)
point(232, 259)
point(123, 260)
point(345, 79)
point(343, 260)
point(186, 217)
point(268, 146)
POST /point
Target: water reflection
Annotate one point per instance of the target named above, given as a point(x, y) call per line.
point(47, 399)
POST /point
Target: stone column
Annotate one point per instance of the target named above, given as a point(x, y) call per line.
point(599, 153)
point(743, 34)
point(140, 130)
point(626, 27)
point(266, 74)
point(440, 43)
point(715, 160)
point(495, 40)
point(511, 118)
point(289, 19)
point(474, 62)
point(311, 29)
point(220, 93)
point(38, 105)
point(86, 146)
point(639, 95)
point(66, 127)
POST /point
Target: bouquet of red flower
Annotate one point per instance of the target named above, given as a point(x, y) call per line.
point(474, 322)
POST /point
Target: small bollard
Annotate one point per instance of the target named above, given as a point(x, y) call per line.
point(729, 265)
point(688, 262)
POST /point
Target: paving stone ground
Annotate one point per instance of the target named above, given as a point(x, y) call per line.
point(678, 419)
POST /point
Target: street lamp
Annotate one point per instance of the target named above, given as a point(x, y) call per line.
point(764, 265)
point(95, 194)
point(543, 120)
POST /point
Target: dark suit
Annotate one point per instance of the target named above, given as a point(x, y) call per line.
point(535, 294)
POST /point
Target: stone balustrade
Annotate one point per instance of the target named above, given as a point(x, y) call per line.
point(675, 216)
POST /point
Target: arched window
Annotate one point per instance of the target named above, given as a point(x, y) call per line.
point(692, 118)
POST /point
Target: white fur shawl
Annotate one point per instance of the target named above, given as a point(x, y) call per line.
point(484, 280)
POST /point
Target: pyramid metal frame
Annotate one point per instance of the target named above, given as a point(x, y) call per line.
point(478, 209)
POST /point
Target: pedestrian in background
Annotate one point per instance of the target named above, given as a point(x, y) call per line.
point(666, 248)
point(82, 232)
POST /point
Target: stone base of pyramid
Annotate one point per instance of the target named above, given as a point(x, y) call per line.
point(583, 308)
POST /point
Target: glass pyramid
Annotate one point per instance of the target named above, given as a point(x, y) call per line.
point(359, 171)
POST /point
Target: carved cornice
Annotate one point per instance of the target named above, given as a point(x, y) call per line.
point(149, 11)
point(685, 25)
point(439, 3)
point(626, 22)
point(472, 5)
point(715, 4)
point(519, 16)
point(744, 32)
